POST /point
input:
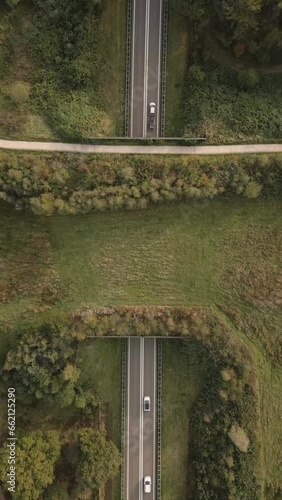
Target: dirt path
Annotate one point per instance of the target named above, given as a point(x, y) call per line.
point(155, 150)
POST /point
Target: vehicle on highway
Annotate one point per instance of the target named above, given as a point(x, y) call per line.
point(147, 403)
point(152, 115)
point(147, 484)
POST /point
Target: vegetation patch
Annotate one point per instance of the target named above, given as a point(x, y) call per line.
point(183, 379)
point(62, 416)
point(69, 184)
point(57, 63)
point(177, 63)
point(231, 91)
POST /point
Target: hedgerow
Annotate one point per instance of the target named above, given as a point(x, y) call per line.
point(69, 184)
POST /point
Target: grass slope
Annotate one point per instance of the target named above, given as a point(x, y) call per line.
point(182, 381)
point(177, 61)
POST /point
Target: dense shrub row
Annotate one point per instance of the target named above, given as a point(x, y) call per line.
point(224, 447)
point(68, 184)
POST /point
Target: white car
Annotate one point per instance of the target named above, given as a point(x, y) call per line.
point(152, 114)
point(152, 108)
point(147, 484)
point(147, 403)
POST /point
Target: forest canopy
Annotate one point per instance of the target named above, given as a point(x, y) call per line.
point(249, 26)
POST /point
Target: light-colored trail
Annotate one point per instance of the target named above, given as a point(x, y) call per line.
point(154, 150)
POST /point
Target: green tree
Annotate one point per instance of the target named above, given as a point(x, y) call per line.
point(42, 364)
point(36, 455)
point(99, 458)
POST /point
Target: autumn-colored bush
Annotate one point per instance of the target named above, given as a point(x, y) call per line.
point(69, 184)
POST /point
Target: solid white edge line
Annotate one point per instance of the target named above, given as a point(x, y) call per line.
point(154, 436)
point(132, 70)
point(128, 399)
point(142, 418)
point(140, 424)
point(159, 67)
point(140, 436)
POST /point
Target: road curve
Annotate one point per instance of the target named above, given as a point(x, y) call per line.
point(140, 426)
point(145, 150)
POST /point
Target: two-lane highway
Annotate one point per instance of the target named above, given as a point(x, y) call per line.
point(141, 426)
point(145, 65)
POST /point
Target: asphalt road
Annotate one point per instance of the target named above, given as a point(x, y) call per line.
point(141, 426)
point(145, 65)
point(154, 62)
point(144, 150)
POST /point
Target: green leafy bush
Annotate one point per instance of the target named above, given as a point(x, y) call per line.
point(99, 458)
point(248, 78)
point(19, 92)
point(196, 73)
point(43, 365)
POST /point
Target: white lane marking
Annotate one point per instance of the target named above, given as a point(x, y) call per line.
point(132, 71)
point(146, 56)
point(141, 419)
point(128, 399)
point(159, 68)
point(154, 431)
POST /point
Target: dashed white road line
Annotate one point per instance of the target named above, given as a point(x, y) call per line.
point(146, 57)
point(154, 416)
point(141, 436)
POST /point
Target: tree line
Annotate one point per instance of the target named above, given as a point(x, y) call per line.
point(250, 27)
point(65, 184)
